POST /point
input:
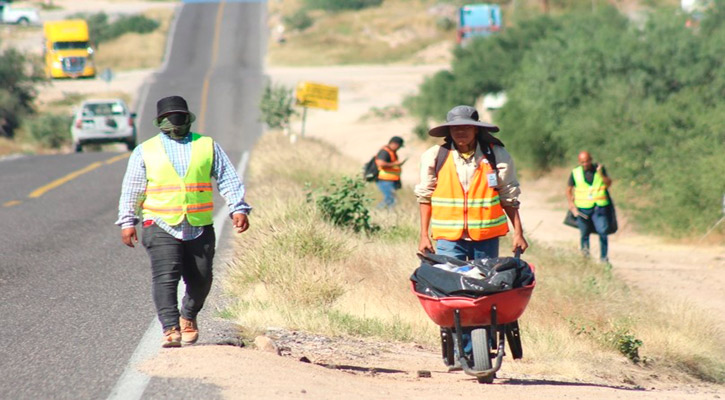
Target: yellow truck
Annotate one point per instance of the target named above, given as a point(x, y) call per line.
point(67, 49)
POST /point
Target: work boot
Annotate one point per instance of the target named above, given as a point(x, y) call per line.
point(189, 330)
point(171, 338)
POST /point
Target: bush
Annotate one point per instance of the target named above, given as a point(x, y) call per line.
point(345, 205)
point(101, 30)
point(50, 130)
point(298, 21)
point(341, 5)
point(19, 76)
point(276, 105)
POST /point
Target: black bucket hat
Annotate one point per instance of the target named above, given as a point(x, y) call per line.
point(173, 104)
point(462, 115)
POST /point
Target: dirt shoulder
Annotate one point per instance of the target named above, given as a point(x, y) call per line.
point(674, 272)
point(328, 368)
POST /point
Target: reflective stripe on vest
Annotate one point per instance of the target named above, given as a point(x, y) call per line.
point(390, 173)
point(586, 195)
point(478, 212)
point(171, 197)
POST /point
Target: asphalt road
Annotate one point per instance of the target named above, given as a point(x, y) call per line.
point(75, 302)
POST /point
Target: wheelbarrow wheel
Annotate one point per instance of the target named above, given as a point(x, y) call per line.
point(481, 353)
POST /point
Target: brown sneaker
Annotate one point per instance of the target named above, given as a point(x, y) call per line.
point(171, 338)
point(189, 330)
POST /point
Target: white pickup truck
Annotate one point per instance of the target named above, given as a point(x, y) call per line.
point(10, 14)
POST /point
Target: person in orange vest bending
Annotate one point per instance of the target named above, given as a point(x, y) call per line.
point(167, 187)
point(467, 189)
point(389, 169)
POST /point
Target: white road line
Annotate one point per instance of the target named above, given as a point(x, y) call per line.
point(133, 383)
point(222, 217)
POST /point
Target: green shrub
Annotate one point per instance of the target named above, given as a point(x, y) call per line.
point(299, 21)
point(445, 23)
point(19, 76)
point(345, 205)
point(102, 30)
point(341, 5)
point(276, 105)
point(421, 130)
point(50, 130)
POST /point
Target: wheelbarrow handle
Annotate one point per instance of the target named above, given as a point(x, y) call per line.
point(517, 253)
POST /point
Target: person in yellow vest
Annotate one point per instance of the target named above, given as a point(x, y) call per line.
point(167, 187)
point(467, 189)
point(589, 201)
point(389, 169)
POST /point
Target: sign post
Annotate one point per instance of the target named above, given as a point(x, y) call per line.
point(316, 95)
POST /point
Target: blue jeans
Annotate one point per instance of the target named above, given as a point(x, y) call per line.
point(597, 221)
point(387, 188)
point(468, 249)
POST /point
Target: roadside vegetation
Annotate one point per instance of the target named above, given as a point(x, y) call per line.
point(303, 270)
point(130, 42)
point(334, 32)
point(20, 75)
point(646, 98)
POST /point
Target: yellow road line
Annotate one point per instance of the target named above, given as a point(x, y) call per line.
point(214, 57)
point(117, 158)
point(52, 185)
point(58, 182)
point(12, 203)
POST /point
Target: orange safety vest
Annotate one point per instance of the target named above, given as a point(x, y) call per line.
point(477, 212)
point(390, 173)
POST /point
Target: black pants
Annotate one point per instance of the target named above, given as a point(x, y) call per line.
point(172, 259)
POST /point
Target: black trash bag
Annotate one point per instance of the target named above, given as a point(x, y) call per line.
point(498, 275)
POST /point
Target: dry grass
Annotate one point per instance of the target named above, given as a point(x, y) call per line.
point(394, 32)
point(297, 271)
point(134, 50)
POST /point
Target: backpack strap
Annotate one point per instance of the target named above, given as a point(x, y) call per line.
point(442, 155)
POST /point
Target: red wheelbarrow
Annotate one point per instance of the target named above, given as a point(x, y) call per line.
point(491, 320)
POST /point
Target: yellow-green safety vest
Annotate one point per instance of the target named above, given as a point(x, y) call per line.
point(171, 197)
point(586, 195)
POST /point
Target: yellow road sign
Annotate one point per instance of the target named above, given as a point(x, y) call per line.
point(317, 95)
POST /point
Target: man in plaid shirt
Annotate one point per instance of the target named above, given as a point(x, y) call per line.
point(168, 187)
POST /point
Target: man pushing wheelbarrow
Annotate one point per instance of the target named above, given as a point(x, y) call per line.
point(467, 189)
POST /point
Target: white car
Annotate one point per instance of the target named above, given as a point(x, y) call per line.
point(103, 121)
point(10, 14)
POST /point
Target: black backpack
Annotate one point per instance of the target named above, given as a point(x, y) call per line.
point(370, 170)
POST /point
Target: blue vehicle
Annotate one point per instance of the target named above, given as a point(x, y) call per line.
point(476, 20)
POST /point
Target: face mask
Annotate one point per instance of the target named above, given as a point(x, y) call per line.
point(175, 131)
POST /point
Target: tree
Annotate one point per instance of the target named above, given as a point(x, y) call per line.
point(19, 75)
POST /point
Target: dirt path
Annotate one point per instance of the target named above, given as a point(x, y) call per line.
point(688, 273)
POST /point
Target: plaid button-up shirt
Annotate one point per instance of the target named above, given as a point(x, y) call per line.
point(179, 153)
